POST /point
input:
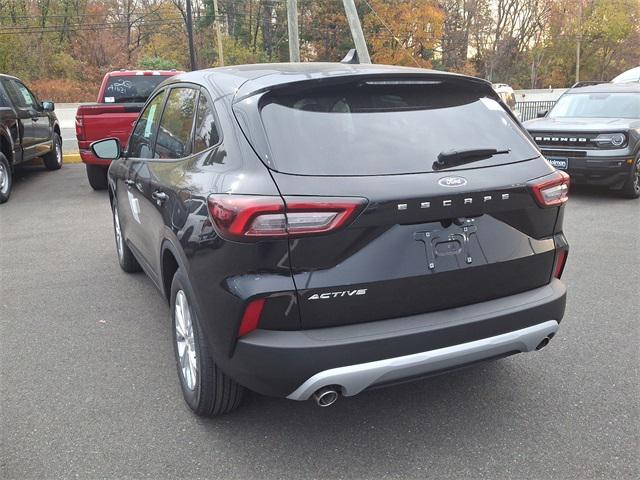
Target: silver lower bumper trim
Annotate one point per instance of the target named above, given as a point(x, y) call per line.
point(355, 378)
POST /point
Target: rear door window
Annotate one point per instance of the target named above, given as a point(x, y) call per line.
point(385, 127)
point(176, 127)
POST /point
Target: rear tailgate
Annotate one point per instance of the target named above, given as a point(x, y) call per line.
point(98, 121)
point(430, 237)
point(394, 260)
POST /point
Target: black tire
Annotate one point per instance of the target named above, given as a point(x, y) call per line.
point(6, 178)
point(97, 176)
point(631, 188)
point(213, 392)
point(53, 159)
point(127, 261)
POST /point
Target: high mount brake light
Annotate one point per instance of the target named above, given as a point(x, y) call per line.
point(253, 217)
point(552, 190)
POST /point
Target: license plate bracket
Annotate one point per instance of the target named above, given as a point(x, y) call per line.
point(454, 241)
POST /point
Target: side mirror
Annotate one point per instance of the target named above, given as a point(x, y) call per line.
point(542, 113)
point(48, 106)
point(107, 149)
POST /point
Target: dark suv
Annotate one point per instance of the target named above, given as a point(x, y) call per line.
point(593, 133)
point(320, 229)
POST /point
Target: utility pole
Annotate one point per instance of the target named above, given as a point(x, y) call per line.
point(192, 51)
point(356, 31)
point(292, 25)
point(579, 41)
point(218, 33)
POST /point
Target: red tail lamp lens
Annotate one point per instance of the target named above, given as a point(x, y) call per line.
point(247, 217)
point(552, 190)
point(251, 317)
point(561, 260)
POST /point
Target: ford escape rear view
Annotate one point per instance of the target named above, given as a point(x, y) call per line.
point(320, 229)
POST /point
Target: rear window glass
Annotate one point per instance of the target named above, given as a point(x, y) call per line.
point(374, 128)
point(131, 88)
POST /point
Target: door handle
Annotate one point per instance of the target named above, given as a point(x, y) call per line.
point(129, 183)
point(159, 197)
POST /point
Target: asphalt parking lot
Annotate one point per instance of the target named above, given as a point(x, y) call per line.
point(89, 388)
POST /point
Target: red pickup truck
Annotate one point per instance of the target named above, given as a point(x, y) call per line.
point(121, 97)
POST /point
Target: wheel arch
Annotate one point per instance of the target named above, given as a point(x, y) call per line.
point(6, 146)
point(169, 264)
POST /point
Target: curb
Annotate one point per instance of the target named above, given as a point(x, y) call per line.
point(67, 158)
point(71, 158)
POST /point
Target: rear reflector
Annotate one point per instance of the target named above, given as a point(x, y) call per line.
point(561, 260)
point(251, 217)
point(552, 190)
point(251, 317)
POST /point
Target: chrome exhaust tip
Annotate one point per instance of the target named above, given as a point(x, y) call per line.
point(543, 343)
point(326, 396)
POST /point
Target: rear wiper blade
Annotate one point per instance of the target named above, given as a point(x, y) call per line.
point(454, 158)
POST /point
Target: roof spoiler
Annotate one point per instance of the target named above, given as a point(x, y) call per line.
point(351, 57)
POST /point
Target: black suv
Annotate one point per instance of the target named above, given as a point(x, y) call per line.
point(320, 229)
point(593, 133)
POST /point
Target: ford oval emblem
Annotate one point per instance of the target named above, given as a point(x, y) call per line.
point(452, 182)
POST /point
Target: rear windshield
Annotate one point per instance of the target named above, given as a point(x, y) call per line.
point(385, 127)
point(131, 88)
point(597, 105)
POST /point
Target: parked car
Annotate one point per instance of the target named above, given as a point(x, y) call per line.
point(371, 224)
point(593, 133)
point(120, 98)
point(508, 96)
point(631, 75)
point(28, 129)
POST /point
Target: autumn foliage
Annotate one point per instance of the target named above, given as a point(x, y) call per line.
point(64, 47)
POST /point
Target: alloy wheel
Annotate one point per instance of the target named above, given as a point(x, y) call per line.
point(4, 179)
point(58, 153)
point(185, 341)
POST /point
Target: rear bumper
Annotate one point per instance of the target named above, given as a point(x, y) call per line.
point(90, 159)
point(355, 357)
point(354, 378)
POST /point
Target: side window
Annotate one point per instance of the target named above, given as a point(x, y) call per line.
point(141, 139)
point(206, 133)
point(21, 95)
point(174, 136)
point(4, 101)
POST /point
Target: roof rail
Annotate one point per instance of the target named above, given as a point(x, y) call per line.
point(587, 83)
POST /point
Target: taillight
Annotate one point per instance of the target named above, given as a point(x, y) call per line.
point(552, 190)
point(247, 217)
point(79, 129)
point(251, 317)
point(561, 260)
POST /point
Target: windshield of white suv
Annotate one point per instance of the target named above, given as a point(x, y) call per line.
point(597, 105)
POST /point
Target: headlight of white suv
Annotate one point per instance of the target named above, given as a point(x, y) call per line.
point(615, 139)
